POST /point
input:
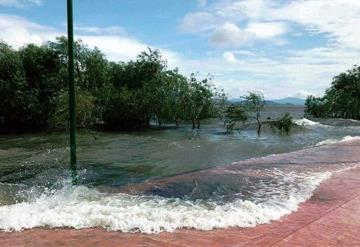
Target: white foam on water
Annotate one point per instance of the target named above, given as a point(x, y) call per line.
point(82, 207)
point(334, 141)
point(308, 122)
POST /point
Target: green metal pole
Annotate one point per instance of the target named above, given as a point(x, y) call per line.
point(72, 99)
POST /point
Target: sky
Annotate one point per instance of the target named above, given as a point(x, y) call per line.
point(283, 48)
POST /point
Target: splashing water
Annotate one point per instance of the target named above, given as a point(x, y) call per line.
point(35, 190)
point(82, 207)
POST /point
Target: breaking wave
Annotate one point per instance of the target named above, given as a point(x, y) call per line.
point(334, 141)
point(82, 207)
point(307, 122)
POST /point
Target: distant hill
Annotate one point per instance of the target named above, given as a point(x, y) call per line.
point(290, 101)
point(285, 101)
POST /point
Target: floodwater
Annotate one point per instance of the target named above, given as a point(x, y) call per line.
point(36, 190)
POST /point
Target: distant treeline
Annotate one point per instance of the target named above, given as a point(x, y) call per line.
point(110, 95)
point(341, 100)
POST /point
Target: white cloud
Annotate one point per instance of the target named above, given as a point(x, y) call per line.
point(337, 19)
point(18, 31)
point(302, 94)
point(231, 24)
point(223, 21)
point(116, 48)
point(198, 22)
point(123, 48)
point(20, 3)
point(100, 30)
point(230, 35)
point(242, 9)
point(280, 73)
point(229, 56)
point(267, 30)
point(237, 71)
point(295, 73)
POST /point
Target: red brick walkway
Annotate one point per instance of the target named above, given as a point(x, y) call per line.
point(330, 218)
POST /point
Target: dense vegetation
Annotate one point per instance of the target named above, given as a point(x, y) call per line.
point(110, 95)
point(250, 110)
point(341, 100)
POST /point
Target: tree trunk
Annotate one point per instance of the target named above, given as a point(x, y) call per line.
point(193, 124)
point(259, 127)
point(198, 123)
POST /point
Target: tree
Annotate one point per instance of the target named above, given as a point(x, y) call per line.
point(254, 102)
point(85, 110)
point(315, 106)
point(95, 70)
point(341, 100)
point(284, 124)
point(234, 115)
point(199, 100)
point(176, 98)
point(20, 108)
point(110, 95)
point(42, 68)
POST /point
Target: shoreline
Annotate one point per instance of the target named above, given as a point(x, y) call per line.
point(330, 217)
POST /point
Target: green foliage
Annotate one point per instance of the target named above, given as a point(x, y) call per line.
point(19, 102)
point(123, 110)
point(284, 124)
point(315, 107)
point(86, 114)
point(255, 103)
point(33, 84)
point(341, 100)
point(41, 66)
point(251, 107)
point(234, 115)
point(198, 100)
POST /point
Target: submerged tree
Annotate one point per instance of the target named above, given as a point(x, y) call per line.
point(86, 111)
point(254, 102)
point(250, 107)
point(235, 115)
point(24, 93)
point(284, 124)
point(111, 95)
point(198, 100)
